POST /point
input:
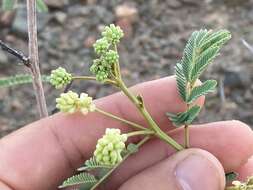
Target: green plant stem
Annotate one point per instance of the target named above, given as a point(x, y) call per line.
point(130, 123)
point(117, 65)
point(186, 136)
point(148, 117)
point(93, 79)
point(145, 139)
point(143, 132)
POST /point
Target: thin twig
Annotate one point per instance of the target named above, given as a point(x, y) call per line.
point(16, 53)
point(34, 57)
point(247, 45)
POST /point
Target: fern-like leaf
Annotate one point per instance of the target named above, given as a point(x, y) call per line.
point(92, 164)
point(82, 178)
point(207, 87)
point(181, 81)
point(208, 49)
point(184, 118)
point(19, 80)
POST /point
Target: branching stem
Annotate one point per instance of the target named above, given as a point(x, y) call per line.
point(34, 58)
point(143, 132)
point(140, 106)
point(130, 123)
point(93, 79)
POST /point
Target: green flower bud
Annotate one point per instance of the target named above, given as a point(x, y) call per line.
point(111, 57)
point(86, 104)
point(67, 102)
point(109, 147)
point(70, 102)
point(113, 33)
point(101, 46)
point(60, 77)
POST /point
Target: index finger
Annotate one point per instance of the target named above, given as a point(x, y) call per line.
point(41, 155)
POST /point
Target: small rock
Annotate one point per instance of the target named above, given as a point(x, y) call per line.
point(126, 11)
point(89, 41)
point(3, 57)
point(60, 17)
point(6, 18)
point(236, 79)
point(57, 3)
point(126, 26)
point(19, 25)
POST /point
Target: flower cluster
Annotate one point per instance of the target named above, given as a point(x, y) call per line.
point(70, 102)
point(60, 77)
point(110, 146)
point(103, 66)
point(237, 185)
point(113, 33)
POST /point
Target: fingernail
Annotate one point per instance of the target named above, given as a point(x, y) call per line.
point(196, 172)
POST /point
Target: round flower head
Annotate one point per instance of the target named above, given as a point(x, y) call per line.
point(67, 102)
point(113, 33)
point(101, 69)
point(60, 77)
point(109, 147)
point(101, 46)
point(70, 102)
point(111, 57)
point(86, 104)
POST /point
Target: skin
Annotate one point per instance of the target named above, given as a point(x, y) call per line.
point(42, 154)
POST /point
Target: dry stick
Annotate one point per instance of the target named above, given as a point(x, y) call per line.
point(34, 58)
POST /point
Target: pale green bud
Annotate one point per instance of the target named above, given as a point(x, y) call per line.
point(113, 33)
point(101, 46)
point(67, 102)
point(109, 147)
point(111, 57)
point(70, 102)
point(60, 77)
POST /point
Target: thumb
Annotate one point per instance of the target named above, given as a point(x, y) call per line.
point(190, 169)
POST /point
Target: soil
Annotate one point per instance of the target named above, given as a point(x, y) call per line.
point(156, 33)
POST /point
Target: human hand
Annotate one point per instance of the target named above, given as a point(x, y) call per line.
point(41, 155)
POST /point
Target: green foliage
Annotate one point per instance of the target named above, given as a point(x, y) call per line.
point(8, 5)
point(231, 176)
point(184, 118)
point(82, 178)
point(200, 50)
point(92, 164)
point(132, 148)
point(181, 81)
point(19, 79)
point(41, 6)
point(207, 87)
point(202, 47)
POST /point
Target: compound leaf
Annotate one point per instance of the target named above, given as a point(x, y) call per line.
point(184, 118)
point(92, 164)
point(19, 79)
point(207, 87)
point(82, 178)
point(181, 81)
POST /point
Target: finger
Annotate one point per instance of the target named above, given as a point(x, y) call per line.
point(246, 170)
point(188, 169)
point(51, 149)
point(229, 141)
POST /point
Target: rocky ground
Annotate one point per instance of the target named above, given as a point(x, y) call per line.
point(156, 32)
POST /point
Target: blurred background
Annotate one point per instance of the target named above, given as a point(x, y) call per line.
point(155, 35)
